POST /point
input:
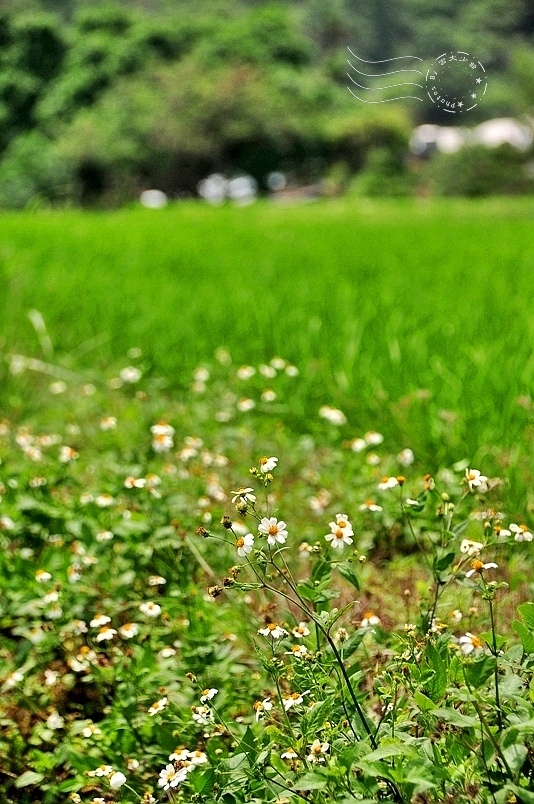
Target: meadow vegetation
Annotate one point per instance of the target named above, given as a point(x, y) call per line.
point(266, 512)
point(101, 100)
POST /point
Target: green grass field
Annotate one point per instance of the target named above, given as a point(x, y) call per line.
point(163, 637)
point(414, 318)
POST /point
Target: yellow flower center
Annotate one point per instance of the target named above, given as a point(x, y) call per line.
point(273, 530)
point(477, 565)
point(240, 542)
point(342, 523)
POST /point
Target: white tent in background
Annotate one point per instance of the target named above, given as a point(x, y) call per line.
point(491, 133)
point(430, 137)
point(504, 130)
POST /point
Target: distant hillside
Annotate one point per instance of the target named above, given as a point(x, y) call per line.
point(99, 101)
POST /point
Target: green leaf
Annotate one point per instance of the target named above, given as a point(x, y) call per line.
point(456, 718)
point(526, 610)
point(526, 637)
point(278, 764)
point(522, 793)
point(321, 571)
point(315, 717)
point(307, 591)
point(248, 746)
point(353, 643)
point(478, 672)
point(515, 756)
point(514, 653)
point(234, 762)
point(203, 783)
point(376, 769)
point(359, 801)
point(424, 703)
point(28, 778)
point(347, 756)
point(393, 750)
point(437, 685)
point(346, 571)
point(310, 781)
point(417, 776)
point(487, 636)
point(444, 562)
point(164, 738)
point(510, 686)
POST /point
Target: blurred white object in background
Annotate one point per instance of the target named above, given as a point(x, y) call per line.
point(276, 180)
point(503, 130)
point(451, 140)
point(213, 189)
point(430, 137)
point(448, 139)
point(242, 190)
point(153, 199)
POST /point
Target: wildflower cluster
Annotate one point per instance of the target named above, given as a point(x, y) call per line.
point(348, 632)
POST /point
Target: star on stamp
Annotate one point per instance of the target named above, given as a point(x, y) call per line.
point(456, 82)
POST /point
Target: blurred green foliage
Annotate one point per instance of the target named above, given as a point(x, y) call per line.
point(410, 315)
point(122, 97)
point(478, 171)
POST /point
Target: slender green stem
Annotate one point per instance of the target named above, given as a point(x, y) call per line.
point(484, 725)
point(127, 786)
point(495, 653)
point(300, 603)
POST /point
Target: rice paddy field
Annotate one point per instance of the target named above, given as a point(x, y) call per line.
point(417, 317)
point(265, 503)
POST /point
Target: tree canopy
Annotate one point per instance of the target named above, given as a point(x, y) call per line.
point(99, 99)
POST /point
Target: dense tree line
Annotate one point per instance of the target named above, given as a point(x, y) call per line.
point(99, 101)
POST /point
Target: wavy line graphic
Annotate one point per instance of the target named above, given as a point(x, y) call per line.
point(382, 61)
point(388, 86)
point(385, 100)
point(381, 75)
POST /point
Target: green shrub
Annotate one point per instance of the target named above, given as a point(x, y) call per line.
point(384, 173)
point(477, 171)
point(32, 172)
